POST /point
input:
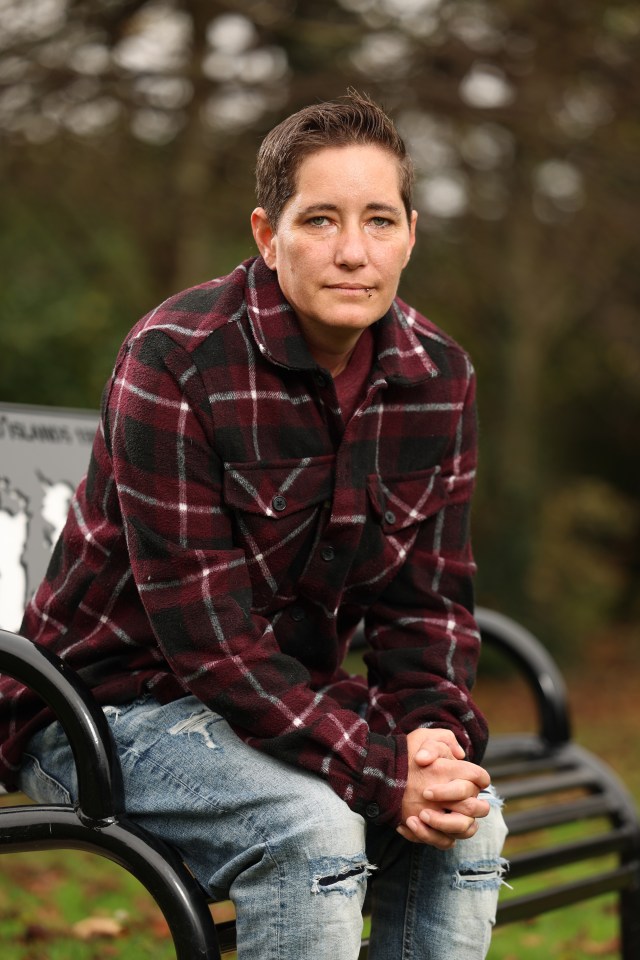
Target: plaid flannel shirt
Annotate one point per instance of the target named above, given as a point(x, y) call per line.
point(233, 531)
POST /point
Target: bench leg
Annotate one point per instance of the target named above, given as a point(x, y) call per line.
point(630, 922)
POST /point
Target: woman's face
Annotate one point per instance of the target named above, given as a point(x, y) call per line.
point(342, 240)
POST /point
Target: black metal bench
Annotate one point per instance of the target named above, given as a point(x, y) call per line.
point(549, 782)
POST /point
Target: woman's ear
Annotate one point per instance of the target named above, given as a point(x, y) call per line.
point(412, 235)
point(264, 236)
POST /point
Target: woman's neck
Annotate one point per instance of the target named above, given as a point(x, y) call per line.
point(336, 356)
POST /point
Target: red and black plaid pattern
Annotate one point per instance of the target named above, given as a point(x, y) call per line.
point(232, 532)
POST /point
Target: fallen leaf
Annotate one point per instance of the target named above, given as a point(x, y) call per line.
point(602, 949)
point(94, 927)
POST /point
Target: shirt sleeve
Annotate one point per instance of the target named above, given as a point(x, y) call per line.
point(195, 586)
point(424, 640)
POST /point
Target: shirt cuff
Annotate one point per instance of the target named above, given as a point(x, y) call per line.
point(384, 778)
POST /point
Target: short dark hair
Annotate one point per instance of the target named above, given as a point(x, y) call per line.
point(352, 119)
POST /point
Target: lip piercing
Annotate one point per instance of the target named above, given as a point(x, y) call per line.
point(368, 292)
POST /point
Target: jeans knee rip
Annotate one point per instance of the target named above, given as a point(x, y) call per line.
point(480, 874)
point(343, 875)
point(197, 723)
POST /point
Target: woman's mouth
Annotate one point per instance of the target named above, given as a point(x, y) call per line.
point(350, 289)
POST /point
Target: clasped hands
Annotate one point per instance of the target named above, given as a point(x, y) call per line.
point(440, 803)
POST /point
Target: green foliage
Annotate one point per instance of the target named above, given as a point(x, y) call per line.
point(62, 320)
point(578, 574)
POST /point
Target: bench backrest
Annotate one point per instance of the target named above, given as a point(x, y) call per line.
point(44, 453)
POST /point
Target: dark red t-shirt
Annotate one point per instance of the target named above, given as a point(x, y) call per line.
point(351, 382)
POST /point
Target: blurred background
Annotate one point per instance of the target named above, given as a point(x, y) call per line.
point(128, 132)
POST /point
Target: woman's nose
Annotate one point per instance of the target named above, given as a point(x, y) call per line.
point(351, 248)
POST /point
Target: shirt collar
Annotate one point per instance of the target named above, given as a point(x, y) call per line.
point(399, 352)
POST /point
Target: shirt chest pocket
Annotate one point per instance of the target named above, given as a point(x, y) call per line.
point(276, 508)
point(401, 502)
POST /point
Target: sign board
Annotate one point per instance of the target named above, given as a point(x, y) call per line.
point(44, 453)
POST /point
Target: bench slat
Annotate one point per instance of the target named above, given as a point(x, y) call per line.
point(540, 818)
point(530, 905)
point(582, 778)
point(535, 861)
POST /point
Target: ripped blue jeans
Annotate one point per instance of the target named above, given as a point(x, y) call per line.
point(281, 844)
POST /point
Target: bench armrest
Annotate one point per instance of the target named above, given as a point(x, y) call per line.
point(82, 720)
point(539, 668)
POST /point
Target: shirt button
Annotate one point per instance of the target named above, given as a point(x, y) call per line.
point(328, 554)
point(372, 810)
point(389, 516)
point(279, 503)
point(297, 613)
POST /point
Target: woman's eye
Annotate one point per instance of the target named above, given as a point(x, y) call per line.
point(380, 221)
point(318, 221)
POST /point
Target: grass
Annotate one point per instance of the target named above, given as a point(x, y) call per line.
point(46, 898)
point(578, 933)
